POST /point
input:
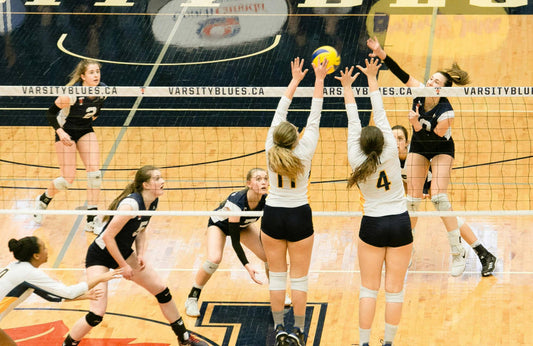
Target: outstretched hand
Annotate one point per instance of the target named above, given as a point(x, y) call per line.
point(113, 274)
point(94, 294)
point(296, 69)
point(346, 77)
point(414, 115)
point(377, 51)
point(252, 272)
point(321, 69)
point(371, 67)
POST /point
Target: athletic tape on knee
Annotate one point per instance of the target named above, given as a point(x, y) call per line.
point(367, 293)
point(93, 319)
point(164, 296)
point(460, 222)
point(396, 297)
point(278, 281)
point(413, 203)
point(61, 183)
point(209, 267)
point(441, 202)
point(94, 179)
point(299, 284)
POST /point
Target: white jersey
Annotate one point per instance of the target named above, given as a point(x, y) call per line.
point(382, 192)
point(284, 192)
point(20, 279)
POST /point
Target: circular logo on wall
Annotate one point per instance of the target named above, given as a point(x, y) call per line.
point(233, 22)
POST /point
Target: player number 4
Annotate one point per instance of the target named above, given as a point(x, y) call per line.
point(383, 181)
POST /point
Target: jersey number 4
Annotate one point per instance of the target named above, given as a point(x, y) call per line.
point(383, 181)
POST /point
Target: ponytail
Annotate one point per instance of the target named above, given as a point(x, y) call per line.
point(372, 143)
point(284, 162)
point(281, 158)
point(367, 168)
point(455, 75)
point(142, 175)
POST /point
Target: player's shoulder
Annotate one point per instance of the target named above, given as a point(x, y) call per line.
point(238, 197)
point(445, 104)
point(19, 268)
point(102, 98)
point(134, 199)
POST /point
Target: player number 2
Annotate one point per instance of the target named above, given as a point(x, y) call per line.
point(383, 181)
point(90, 112)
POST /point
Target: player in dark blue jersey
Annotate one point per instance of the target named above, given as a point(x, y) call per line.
point(72, 118)
point(431, 145)
point(239, 228)
point(113, 248)
point(487, 259)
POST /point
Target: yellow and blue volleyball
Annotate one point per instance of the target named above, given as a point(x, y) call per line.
point(327, 52)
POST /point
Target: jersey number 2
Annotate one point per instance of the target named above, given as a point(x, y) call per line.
point(90, 112)
point(383, 181)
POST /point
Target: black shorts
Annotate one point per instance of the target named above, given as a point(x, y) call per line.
point(292, 224)
point(98, 257)
point(432, 146)
point(222, 225)
point(386, 231)
point(76, 134)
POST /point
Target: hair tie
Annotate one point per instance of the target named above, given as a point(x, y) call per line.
point(282, 146)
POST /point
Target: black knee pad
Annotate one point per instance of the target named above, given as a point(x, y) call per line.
point(93, 319)
point(164, 297)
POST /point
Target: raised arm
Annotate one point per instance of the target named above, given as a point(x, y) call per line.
point(378, 52)
point(355, 154)
point(380, 117)
point(347, 80)
point(311, 134)
point(283, 106)
point(371, 70)
point(297, 75)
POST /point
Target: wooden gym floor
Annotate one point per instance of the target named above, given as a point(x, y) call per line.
point(438, 309)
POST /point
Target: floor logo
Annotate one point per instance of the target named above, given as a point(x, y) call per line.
point(53, 333)
point(251, 323)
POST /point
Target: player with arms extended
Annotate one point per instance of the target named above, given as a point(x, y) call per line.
point(385, 235)
point(431, 144)
point(287, 224)
point(23, 277)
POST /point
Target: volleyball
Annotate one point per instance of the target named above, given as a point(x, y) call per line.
point(327, 52)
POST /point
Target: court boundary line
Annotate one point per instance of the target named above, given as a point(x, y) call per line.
point(118, 139)
point(330, 271)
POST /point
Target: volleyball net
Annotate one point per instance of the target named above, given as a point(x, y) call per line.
point(206, 139)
